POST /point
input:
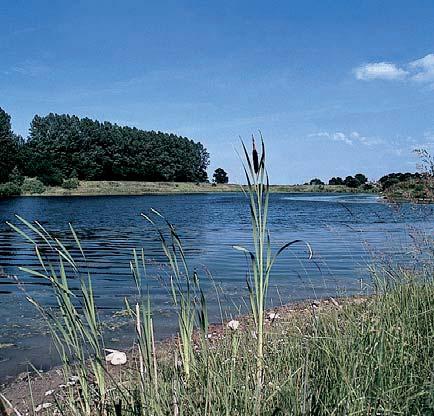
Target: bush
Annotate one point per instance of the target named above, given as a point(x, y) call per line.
point(71, 183)
point(32, 186)
point(316, 181)
point(16, 176)
point(51, 179)
point(9, 189)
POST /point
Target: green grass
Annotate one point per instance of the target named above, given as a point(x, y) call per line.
point(143, 188)
point(367, 358)
point(359, 358)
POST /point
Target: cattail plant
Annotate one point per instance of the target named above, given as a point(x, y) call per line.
point(261, 258)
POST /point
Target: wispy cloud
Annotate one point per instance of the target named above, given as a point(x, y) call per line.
point(420, 70)
point(379, 70)
point(29, 68)
point(424, 68)
point(351, 138)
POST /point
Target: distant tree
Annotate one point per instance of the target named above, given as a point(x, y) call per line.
point(360, 178)
point(220, 176)
point(316, 181)
point(336, 181)
point(65, 146)
point(391, 179)
point(8, 146)
point(351, 182)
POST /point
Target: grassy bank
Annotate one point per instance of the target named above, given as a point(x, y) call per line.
point(369, 356)
point(143, 188)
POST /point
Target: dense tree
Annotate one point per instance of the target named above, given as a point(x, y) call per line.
point(220, 176)
point(360, 178)
point(64, 146)
point(336, 181)
point(351, 182)
point(9, 144)
point(316, 181)
point(391, 179)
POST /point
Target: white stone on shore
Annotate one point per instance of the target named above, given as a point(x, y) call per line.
point(116, 357)
point(43, 406)
point(233, 324)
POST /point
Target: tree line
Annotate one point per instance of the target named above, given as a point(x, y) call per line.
point(355, 181)
point(60, 147)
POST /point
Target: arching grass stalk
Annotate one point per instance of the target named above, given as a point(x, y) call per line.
point(186, 292)
point(75, 327)
point(142, 314)
point(262, 258)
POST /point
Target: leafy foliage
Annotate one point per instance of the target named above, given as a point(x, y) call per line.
point(336, 181)
point(220, 176)
point(351, 182)
point(9, 145)
point(16, 176)
point(9, 189)
point(62, 146)
point(32, 186)
point(71, 183)
point(316, 181)
point(391, 179)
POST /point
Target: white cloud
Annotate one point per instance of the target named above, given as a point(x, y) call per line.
point(420, 70)
point(380, 70)
point(349, 138)
point(424, 68)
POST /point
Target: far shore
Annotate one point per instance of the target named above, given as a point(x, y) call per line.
point(107, 188)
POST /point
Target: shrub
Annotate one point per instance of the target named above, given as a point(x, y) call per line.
point(51, 179)
point(16, 176)
point(32, 186)
point(9, 189)
point(71, 183)
point(316, 181)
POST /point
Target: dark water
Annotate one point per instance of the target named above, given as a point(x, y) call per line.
point(345, 231)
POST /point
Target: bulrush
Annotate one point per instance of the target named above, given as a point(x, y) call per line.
point(255, 157)
point(261, 258)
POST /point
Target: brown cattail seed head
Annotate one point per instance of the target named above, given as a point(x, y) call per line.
point(255, 157)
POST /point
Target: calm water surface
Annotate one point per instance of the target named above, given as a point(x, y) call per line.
point(345, 231)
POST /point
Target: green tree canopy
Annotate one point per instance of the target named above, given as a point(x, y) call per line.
point(351, 182)
point(336, 181)
point(9, 145)
point(64, 146)
point(220, 176)
point(360, 178)
point(316, 181)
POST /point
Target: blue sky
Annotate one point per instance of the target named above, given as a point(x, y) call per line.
point(336, 87)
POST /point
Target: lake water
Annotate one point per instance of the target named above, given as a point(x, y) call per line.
point(346, 231)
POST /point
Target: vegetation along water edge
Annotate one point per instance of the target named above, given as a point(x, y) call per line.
point(366, 355)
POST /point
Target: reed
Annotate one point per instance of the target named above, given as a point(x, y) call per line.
point(261, 258)
point(362, 356)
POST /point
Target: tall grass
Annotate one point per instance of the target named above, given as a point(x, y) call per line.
point(261, 259)
point(367, 356)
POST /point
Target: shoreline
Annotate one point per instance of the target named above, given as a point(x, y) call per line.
point(130, 188)
point(17, 391)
